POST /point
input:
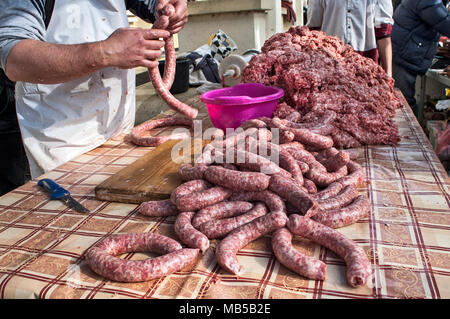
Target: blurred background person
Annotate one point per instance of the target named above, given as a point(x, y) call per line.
point(365, 25)
point(418, 27)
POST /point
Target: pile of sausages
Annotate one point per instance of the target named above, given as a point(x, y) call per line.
point(238, 196)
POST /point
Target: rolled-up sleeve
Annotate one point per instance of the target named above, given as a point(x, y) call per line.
point(144, 9)
point(19, 20)
point(383, 18)
point(315, 14)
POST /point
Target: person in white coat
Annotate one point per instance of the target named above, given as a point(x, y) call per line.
point(365, 25)
point(75, 79)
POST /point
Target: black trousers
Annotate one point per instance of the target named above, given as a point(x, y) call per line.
point(405, 81)
point(14, 169)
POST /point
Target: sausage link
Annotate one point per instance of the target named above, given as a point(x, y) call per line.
point(340, 217)
point(101, 258)
point(318, 128)
point(170, 62)
point(319, 175)
point(358, 265)
point(160, 208)
point(219, 228)
point(310, 186)
point(293, 144)
point(165, 94)
point(236, 180)
point(296, 261)
point(162, 17)
point(253, 123)
point(352, 153)
point(355, 177)
point(162, 22)
point(301, 154)
point(330, 191)
point(240, 138)
point(287, 166)
point(305, 136)
point(199, 200)
point(252, 161)
point(272, 200)
point(227, 249)
point(187, 188)
point(345, 197)
point(290, 164)
point(292, 193)
point(220, 210)
point(286, 136)
point(188, 234)
point(229, 166)
point(334, 163)
point(188, 172)
point(207, 156)
point(137, 132)
point(303, 167)
point(162, 86)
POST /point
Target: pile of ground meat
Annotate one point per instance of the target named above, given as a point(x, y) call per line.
point(320, 73)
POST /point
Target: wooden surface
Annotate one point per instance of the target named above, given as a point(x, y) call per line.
point(155, 175)
point(151, 177)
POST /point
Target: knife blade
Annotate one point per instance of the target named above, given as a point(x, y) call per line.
point(57, 192)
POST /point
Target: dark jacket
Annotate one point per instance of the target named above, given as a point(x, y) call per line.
point(418, 25)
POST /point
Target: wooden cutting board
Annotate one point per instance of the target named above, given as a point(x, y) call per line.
point(153, 176)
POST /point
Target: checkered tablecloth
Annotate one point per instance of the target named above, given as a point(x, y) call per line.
point(406, 236)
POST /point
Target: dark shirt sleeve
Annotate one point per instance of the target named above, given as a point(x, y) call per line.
point(20, 20)
point(436, 15)
point(144, 9)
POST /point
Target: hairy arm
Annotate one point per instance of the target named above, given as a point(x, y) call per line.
point(383, 27)
point(385, 50)
point(37, 61)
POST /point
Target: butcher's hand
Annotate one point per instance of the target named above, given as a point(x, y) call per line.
point(128, 48)
point(179, 19)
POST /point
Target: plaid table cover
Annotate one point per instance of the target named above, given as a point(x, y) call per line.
point(406, 236)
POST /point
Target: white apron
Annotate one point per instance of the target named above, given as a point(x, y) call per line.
point(59, 122)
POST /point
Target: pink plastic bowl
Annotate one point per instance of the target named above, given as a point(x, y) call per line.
point(230, 107)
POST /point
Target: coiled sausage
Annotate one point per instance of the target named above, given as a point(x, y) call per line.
point(220, 210)
point(188, 234)
point(227, 249)
point(101, 258)
point(137, 132)
point(344, 216)
point(292, 193)
point(236, 180)
point(202, 199)
point(219, 228)
point(358, 265)
point(159, 208)
point(296, 261)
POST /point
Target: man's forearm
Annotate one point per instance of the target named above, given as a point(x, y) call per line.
point(48, 63)
point(385, 49)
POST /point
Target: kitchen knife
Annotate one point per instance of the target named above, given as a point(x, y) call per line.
point(57, 192)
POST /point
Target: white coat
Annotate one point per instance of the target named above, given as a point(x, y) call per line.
point(59, 122)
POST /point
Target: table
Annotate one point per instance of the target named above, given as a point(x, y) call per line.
point(406, 236)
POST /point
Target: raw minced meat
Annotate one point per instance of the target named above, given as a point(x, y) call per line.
point(319, 73)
